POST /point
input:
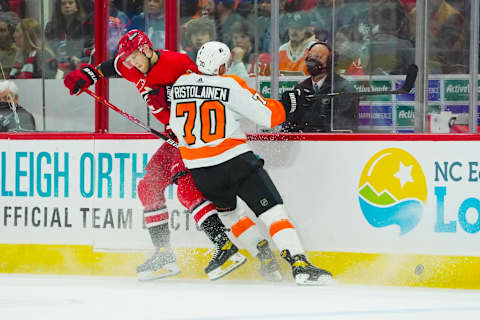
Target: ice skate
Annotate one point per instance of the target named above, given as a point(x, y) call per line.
point(268, 264)
point(162, 264)
point(225, 259)
point(304, 272)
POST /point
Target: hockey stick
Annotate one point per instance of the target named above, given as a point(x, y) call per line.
point(132, 118)
point(407, 86)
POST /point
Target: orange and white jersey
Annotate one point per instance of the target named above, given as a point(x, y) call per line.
point(205, 113)
point(289, 62)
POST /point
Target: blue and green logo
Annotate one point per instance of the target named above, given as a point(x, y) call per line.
point(393, 190)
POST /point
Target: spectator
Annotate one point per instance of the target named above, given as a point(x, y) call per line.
point(346, 15)
point(118, 22)
point(207, 8)
point(189, 10)
point(31, 61)
point(12, 116)
point(15, 6)
point(119, 14)
point(4, 5)
point(242, 57)
point(244, 8)
point(226, 18)
point(446, 38)
point(387, 49)
point(263, 24)
point(347, 57)
point(409, 4)
point(70, 34)
point(292, 54)
point(8, 49)
point(152, 22)
point(130, 7)
point(198, 32)
point(323, 115)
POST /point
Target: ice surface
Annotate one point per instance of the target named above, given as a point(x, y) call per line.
point(68, 297)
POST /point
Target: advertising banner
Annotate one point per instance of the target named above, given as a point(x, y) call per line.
point(374, 212)
point(82, 192)
point(409, 196)
point(445, 92)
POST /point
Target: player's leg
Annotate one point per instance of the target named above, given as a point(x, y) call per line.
point(219, 184)
point(226, 257)
point(151, 193)
point(249, 235)
point(261, 195)
point(162, 263)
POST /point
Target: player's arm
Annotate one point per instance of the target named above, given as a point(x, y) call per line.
point(252, 105)
point(87, 74)
point(158, 98)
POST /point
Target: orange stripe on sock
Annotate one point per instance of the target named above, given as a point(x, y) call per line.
point(241, 226)
point(279, 226)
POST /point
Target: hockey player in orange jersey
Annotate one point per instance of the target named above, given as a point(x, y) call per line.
point(205, 111)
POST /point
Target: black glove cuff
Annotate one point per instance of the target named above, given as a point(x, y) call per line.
point(289, 101)
point(91, 73)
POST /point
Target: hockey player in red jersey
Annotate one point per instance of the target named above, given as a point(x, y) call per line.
point(153, 71)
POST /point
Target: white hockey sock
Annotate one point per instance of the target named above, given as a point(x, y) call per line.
point(281, 230)
point(243, 228)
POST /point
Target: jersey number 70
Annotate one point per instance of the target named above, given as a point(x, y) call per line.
point(212, 120)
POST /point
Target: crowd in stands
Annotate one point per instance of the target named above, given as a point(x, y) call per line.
point(368, 36)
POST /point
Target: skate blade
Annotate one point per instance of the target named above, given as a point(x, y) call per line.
point(231, 264)
point(272, 276)
point(323, 280)
point(169, 270)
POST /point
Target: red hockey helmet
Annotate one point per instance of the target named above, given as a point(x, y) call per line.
point(131, 41)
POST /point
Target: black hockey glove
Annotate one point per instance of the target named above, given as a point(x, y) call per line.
point(295, 98)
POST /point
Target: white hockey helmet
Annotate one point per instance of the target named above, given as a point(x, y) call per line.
point(211, 56)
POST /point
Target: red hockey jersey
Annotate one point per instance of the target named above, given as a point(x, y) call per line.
point(169, 67)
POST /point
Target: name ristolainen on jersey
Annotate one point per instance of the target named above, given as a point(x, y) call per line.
point(201, 92)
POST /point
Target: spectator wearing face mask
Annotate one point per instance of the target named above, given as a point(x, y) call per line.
point(13, 117)
point(324, 114)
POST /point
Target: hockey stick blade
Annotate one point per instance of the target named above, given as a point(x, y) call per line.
point(407, 86)
point(132, 118)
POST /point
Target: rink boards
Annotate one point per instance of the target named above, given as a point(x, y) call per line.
point(372, 212)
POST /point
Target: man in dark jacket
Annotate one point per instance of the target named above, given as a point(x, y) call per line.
point(323, 115)
point(12, 116)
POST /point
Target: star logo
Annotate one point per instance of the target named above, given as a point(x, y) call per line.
point(404, 174)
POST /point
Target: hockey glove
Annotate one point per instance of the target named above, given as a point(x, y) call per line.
point(169, 132)
point(81, 78)
point(295, 98)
